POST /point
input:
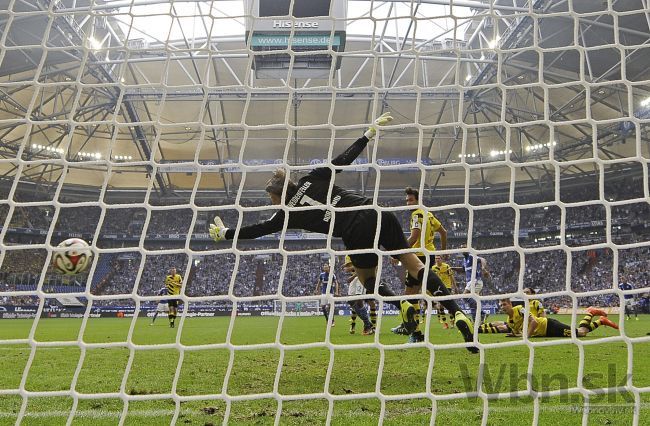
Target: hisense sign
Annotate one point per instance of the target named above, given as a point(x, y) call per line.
point(296, 24)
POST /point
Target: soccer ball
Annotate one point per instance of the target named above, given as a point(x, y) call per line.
point(75, 257)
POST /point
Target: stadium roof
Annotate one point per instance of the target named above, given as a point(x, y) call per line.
point(482, 102)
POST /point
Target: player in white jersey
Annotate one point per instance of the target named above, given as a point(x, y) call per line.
point(355, 288)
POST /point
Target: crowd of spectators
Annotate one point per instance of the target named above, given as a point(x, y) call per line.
point(252, 274)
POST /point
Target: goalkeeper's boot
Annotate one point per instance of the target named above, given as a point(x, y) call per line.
point(609, 323)
point(352, 326)
point(596, 312)
point(408, 317)
point(465, 327)
point(416, 337)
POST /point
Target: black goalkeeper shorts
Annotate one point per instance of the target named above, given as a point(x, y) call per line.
point(172, 303)
point(555, 328)
point(361, 235)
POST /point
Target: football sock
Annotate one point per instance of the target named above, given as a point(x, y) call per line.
point(373, 316)
point(487, 328)
point(383, 290)
point(472, 308)
point(588, 323)
point(326, 312)
point(436, 287)
point(363, 314)
point(416, 317)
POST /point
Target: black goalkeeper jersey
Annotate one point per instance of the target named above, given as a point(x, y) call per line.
point(318, 214)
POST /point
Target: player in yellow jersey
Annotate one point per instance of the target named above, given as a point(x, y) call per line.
point(423, 226)
point(446, 274)
point(550, 327)
point(536, 308)
point(173, 282)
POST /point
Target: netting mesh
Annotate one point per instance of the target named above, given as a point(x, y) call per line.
point(131, 124)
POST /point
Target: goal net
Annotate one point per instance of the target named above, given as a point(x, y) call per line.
point(523, 126)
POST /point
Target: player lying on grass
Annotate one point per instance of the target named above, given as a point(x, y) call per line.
point(536, 310)
point(313, 205)
point(355, 288)
point(550, 327)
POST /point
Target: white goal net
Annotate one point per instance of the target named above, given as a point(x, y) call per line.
point(130, 124)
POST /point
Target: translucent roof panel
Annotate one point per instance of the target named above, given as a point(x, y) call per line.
point(199, 20)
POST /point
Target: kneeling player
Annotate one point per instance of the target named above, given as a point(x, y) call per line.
point(549, 327)
point(355, 288)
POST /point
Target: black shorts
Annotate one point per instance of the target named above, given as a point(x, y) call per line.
point(555, 328)
point(361, 235)
point(172, 303)
point(413, 282)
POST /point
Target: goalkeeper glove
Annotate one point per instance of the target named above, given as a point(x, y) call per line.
point(382, 120)
point(218, 230)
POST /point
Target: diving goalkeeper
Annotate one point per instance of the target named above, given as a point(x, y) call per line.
point(312, 203)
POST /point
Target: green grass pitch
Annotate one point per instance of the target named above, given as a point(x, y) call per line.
point(403, 374)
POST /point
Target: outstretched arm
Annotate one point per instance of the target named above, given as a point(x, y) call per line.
point(349, 155)
point(219, 232)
